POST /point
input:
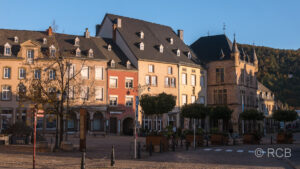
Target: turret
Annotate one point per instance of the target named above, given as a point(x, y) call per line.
point(255, 61)
point(235, 53)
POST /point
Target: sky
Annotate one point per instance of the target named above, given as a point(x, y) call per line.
point(272, 23)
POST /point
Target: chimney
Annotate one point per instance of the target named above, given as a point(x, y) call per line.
point(180, 34)
point(119, 22)
point(98, 26)
point(49, 31)
point(87, 33)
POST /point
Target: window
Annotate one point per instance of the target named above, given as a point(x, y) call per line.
point(30, 55)
point(113, 82)
point(21, 91)
point(129, 101)
point(7, 50)
point(91, 53)
point(52, 51)
point(128, 64)
point(99, 73)
point(141, 46)
point(184, 99)
point(202, 100)
point(242, 76)
point(153, 80)
point(189, 55)
point(171, 41)
point(148, 80)
point(85, 72)
point(6, 92)
point(173, 82)
point(109, 47)
point(202, 81)
point(44, 41)
point(113, 100)
point(16, 39)
point(170, 82)
point(37, 74)
point(71, 92)
point(99, 93)
point(76, 41)
point(6, 73)
point(51, 74)
point(129, 82)
point(142, 35)
point(151, 68)
point(220, 75)
point(178, 52)
point(112, 63)
point(161, 48)
point(22, 73)
point(167, 82)
point(170, 70)
point(193, 99)
point(84, 93)
point(220, 96)
point(72, 71)
point(183, 79)
point(193, 80)
point(147, 123)
point(78, 52)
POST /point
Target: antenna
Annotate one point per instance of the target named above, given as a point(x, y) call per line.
point(207, 33)
point(224, 27)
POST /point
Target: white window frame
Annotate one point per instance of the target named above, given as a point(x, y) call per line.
point(170, 70)
point(52, 51)
point(7, 49)
point(99, 72)
point(22, 71)
point(126, 79)
point(193, 99)
point(85, 75)
point(71, 92)
point(6, 73)
point(72, 71)
point(37, 74)
point(153, 80)
point(167, 82)
point(151, 68)
point(99, 96)
point(6, 92)
point(110, 82)
point(184, 79)
point(148, 80)
point(84, 95)
point(113, 96)
point(184, 97)
point(171, 82)
point(52, 74)
point(193, 80)
point(131, 99)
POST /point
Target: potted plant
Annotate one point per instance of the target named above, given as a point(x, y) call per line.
point(252, 136)
point(155, 105)
point(194, 111)
point(283, 136)
point(220, 113)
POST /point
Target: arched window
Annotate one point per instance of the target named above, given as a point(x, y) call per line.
point(161, 48)
point(16, 39)
point(112, 63)
point(76, 41)
point(171, 41)
point(44, 41)
point(178, 52)
point(109, 47)
point(189, 55)
point(142, 35)
point(78, 52)
point(91, 53)
point(141, 46)
point(52, 51)
point(7, 49)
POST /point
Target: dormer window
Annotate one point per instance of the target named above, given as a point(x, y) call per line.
point(91, 53)
point(76, 41)
point(171, 41)
point(52, 51)
point(109, 47)
point(178, 52)
point(142, 35)
point(16, 39)
point(30, 56)
point(141, 46)
point(189, 55)
point(161, 48)
point(128, 64)
point(112, 63)
point(78, 52)
point(7, 49)
point(44, 41)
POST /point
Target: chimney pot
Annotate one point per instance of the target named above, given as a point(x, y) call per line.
point(87, 33)
point(180, 34)
point(119, 22)
point(50, 33)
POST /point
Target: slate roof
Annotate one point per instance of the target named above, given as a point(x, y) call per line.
point(62, 42)
point(208, 49)
point(154, 35)
point(263, 88)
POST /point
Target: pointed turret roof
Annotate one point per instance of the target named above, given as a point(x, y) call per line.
point(235, 47)
point(254, 55)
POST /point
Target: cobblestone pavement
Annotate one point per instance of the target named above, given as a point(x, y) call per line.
point(98, 156)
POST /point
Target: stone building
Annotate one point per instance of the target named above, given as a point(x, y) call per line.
point(231, 75)
point(164, 62)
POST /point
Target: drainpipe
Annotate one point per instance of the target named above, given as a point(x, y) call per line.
point(178, 83)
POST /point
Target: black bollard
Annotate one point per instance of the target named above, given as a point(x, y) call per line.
point(160, 146)
point(173, 145)
point(112, 158)
point(150, 149)
point(83, 160)
point(139, 151)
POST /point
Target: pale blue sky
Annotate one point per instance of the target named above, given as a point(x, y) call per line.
point(273, 23)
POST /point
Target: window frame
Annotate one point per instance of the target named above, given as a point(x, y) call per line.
point(6, 72)
point(116, 102)
point(126, 79)
point(113, 78)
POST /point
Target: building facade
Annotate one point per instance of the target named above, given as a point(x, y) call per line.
point(231, 75)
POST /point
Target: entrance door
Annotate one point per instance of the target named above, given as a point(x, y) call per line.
point(113, 125)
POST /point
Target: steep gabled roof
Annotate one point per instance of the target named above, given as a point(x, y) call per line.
point(154, 35)
point(262, 87)
point(208, 48)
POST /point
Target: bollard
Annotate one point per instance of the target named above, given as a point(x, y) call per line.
point(160, 146)
point(150, 149)
point(206, 140)
point(112, 158)
point(173, 145)
point(271, 140)
point(83, 160)
point(181, 145)
point(139, 151)
point(186, 145)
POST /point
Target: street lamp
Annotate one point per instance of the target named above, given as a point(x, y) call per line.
point(139, 89)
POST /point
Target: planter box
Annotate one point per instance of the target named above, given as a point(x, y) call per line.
point(250, 139)
point(155, 140)
point(282, 138)
point(190, 138)
point(218, 139)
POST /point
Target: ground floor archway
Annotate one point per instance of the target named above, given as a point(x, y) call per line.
point(128, 126)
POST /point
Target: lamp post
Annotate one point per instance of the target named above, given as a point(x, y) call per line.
point(139, 89)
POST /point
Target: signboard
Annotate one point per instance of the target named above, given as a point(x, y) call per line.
point(136, 107)
point(40, 113)
point(115, 112)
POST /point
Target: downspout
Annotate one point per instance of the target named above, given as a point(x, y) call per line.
point(178, 83)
